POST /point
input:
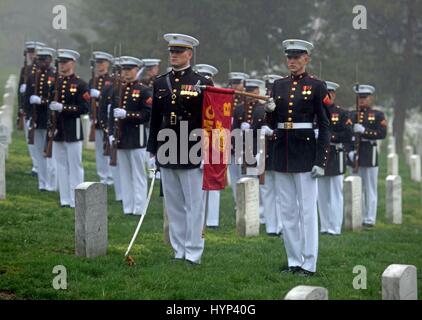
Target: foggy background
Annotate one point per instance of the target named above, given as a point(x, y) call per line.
point(243, 36)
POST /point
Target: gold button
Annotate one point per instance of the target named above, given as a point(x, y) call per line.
point(174, 90)
point(177, 80)
point(292, 96)
point(290, 103)
point(293, 89)
point(290, 111)
point(289, 119)
point(295, 83)
point(173, 102)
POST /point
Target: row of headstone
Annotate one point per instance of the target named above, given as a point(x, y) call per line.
point(414, 162)
point(6, 129)
point(353, 201)
point(398, 281)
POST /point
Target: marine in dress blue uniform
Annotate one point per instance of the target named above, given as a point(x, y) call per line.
point(72, 102)
point(299, 158)
point(370, 125)
point(330, 186)
point(131, 112)
point(177, 106)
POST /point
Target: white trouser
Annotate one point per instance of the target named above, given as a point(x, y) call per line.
point(269, 201)
point(298, 204)
point(235, 171)
point(330, 203)
point(102, 162)
point(116, 179)
point(134, 184)
point(70, 171)
point(213, 213)
point(41, 162)
point(51, 174)
point(31, 147)
point(184, 200)
point(369, 177)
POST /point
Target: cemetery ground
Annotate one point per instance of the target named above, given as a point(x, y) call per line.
point(36, 235)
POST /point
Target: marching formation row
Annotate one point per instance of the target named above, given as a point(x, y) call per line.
point(309, 140)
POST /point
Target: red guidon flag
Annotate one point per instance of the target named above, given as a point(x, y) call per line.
point(217, 111)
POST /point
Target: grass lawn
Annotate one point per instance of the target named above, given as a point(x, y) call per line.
point(36, 235)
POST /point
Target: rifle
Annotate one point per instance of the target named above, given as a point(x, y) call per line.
point(357, 135)
point(53, 128)
point(34, 117)
point(93, 102)
point(21, 115)
point(106, 141)
point(117, 87)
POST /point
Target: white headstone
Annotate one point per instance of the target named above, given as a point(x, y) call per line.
point(408, 153)
point(307, 293)
point(2, 172)
point(91, 219)
point(8, 99)
point(4, 135)
point(393, 201)
point(393, 164)
point(415, 168)
point(399, 282)
point(353, 203)
point(247, 210)
point(86, 127)
point(391, 149)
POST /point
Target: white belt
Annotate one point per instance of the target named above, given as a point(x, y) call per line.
point(295, 125)
point(338, 145)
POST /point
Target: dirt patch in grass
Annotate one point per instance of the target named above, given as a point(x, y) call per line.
point(7, 295)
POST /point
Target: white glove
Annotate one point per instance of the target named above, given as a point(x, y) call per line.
point(34, 99)
point(265, 130)
point(270, 105)
point(352, 155)
point(257, 158)
point(358, 128)
point(151, 163)
point(94, 93)
point(27, 123)
point(108, 109)
point(201, 166)
point(22, 88)
point(110, 139)
point(317, 172)
point(119, 113)
point(56, 106)
point(316, 131)
point(245, 126)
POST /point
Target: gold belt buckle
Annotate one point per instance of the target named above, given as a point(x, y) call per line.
point(173, 119)
point(288, 125)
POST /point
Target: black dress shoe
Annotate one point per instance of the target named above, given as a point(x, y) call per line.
point(192, 263)
point(368, 225)
point(212, 227)
point(290, 269)
point(43, 190)
point(65, 206)
point(304, 273)
point(273, 234)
